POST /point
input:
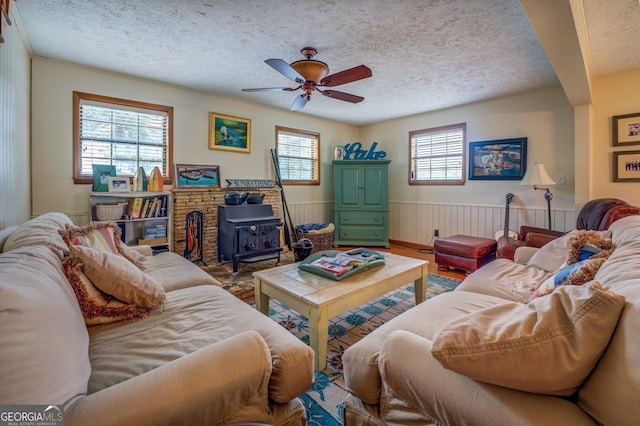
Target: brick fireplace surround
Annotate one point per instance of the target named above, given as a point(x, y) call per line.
point(207, 200)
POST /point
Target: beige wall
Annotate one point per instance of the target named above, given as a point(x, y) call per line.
point(615, 94)
point(54, 82)
point(14, 125)
point(544, 117)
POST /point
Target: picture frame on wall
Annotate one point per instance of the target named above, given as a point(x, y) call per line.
point(626, 129)
point(119, 184)
point(502, 159)
point(194, 175)
point(229, 133)
point(101, 175)
point(626, 166)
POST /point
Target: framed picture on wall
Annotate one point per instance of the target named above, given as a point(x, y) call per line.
point(502, 159)
point(229, 133)
point(626, 166)
point(626, 129)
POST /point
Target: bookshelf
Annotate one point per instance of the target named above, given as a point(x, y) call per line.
point(146, 216)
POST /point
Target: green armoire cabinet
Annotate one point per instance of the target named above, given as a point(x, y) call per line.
point(361, 202)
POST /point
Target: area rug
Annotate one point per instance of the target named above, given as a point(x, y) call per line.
point(324, 400)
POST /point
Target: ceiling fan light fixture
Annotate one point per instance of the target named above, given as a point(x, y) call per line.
point(311, 69)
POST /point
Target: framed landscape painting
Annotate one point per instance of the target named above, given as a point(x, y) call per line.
point(503, 159)
point(190, 175)
point(229, 133)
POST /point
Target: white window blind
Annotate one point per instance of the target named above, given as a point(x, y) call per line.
point(123, 136)
point(438, 155)
point(298, 156)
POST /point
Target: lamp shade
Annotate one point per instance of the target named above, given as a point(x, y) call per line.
point(537, 175)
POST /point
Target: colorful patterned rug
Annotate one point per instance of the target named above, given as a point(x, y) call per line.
point(324, 400)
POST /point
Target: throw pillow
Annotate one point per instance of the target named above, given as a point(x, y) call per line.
point(552, 255)
point(116, 276)
point(568, 249)
point(585, 244)
point(548, 346)
point(97, 307)
point(104, 236)
point(574, 274)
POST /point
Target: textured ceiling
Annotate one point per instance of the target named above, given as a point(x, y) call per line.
point(424, 55)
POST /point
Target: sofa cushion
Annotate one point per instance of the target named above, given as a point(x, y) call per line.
point(97, 307)
point(104, 236)
point(44, 342)
point(115, 275)
point(548, 346)
point(41, 230)
point(173, 273)
point(191, 319)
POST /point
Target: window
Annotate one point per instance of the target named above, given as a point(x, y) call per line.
point(122, 133)
point(437, 155)
point(298, 155)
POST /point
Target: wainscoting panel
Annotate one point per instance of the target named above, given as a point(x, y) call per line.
point(415, 222)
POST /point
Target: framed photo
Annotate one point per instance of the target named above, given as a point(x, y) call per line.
point(503, 159)
point(101, 174)
point(626, 166)
point(626, 129)
point(229, 133)
point(190, 175)
point(118, 184)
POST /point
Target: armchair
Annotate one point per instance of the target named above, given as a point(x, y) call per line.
point(596, 215)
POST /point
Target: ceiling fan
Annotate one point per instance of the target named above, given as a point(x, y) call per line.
point(311, 74)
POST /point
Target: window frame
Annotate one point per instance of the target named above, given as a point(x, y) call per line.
point(435, 130)
point(316, 180)
point(78, 97)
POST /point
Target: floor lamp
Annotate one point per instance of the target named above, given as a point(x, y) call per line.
point(535, 176)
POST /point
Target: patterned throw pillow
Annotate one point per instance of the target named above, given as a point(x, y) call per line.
point(575, 274)
point(97, 307)
point(103, 236)
point(587, 251)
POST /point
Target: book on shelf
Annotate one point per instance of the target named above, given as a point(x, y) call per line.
point(136, 207)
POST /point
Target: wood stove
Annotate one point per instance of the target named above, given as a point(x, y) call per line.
point(248, 233)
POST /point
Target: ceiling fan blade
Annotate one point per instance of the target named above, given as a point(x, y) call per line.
point(346, 76)
point(272, 89)
point(285, 69)
point(299, 102)
point(342, 96)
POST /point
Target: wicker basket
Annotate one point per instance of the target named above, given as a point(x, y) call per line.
point(322, 239)
point(110, 211)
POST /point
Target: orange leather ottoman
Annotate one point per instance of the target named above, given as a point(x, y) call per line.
point(464, 252)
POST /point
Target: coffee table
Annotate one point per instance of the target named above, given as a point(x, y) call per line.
point(319, 298)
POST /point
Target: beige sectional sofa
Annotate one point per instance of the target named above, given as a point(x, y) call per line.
point(201, 357)
point(485, 354)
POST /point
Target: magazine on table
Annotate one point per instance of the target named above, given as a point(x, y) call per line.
point(345, 261)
